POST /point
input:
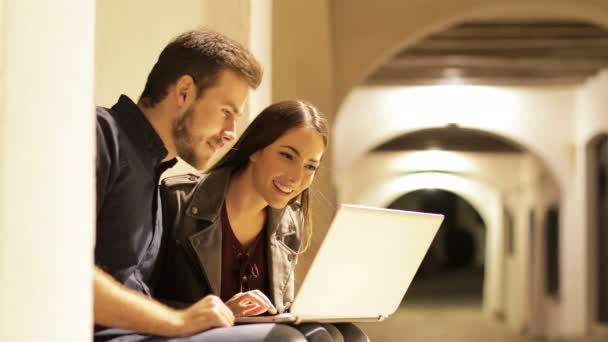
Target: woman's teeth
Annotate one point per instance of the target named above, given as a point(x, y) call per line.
point(283, 188)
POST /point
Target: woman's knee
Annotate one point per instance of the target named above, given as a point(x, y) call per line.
point(247, 333)
point(318, 332)
point(351, 332)
point(282, 332)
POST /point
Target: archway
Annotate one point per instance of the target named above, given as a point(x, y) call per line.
point(516, 116)
point(452, 271)
point(357, 54)
point(482, 197)
point(450, 110)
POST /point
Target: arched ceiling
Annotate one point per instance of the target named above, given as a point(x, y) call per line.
point(528, 52)
point(452, 138)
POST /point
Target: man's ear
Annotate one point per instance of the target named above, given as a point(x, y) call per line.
point(184, 91)
point(255, 156)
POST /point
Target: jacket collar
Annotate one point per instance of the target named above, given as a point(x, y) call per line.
point(210, 193)
point(206, 204)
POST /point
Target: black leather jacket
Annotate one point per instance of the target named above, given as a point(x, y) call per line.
point(192, 241)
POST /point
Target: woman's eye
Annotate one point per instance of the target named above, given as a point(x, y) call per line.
point(286, 155)
point(226, 113)
point(311, 168)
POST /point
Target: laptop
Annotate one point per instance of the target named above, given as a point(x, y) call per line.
point(363, 267)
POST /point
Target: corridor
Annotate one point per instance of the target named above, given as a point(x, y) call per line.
point(446, 307)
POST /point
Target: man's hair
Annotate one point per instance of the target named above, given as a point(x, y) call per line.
point(203, 55)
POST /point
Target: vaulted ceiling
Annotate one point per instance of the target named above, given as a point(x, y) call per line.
point(451, 138)
point(501, 53)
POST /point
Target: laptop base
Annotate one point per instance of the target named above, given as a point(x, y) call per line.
point(289, 318)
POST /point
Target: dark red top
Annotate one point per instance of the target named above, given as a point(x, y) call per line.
point(242, 269)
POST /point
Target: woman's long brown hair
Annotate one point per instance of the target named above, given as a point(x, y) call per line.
point(267, 127)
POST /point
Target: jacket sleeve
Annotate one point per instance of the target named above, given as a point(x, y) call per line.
point(172, 192)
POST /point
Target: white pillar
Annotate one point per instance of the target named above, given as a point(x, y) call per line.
point(261, 46)
point(251, 25)
point(573, 261)
point(46, 169)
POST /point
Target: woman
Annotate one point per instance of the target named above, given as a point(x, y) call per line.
point(237, 231)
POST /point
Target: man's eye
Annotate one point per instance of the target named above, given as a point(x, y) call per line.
point(311, 168)
point(286, 155)
point(226, 113)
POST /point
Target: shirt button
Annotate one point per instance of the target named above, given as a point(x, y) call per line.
point(194, 210)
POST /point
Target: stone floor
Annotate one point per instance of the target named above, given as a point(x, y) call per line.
point(445, 309)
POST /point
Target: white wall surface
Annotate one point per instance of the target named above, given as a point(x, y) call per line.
point(496, 170)
point(129, 37)
point(261, 46)
point(46, 170)
point(592, 108)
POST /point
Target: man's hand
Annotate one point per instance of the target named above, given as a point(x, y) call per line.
point(209, 312)
point(250, 303)
point(120, 307)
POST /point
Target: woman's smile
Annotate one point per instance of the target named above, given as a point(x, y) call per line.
point(284, 189)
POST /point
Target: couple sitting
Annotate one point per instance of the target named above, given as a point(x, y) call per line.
point(212, 247)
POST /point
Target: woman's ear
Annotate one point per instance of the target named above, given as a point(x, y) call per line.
point(255, 156)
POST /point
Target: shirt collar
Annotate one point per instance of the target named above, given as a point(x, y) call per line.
point(140, 130)
point(208, 198)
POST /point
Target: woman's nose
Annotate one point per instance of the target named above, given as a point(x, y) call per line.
point(295, 174)
point(229, 131)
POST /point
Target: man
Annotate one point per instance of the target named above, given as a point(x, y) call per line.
point(189, 107)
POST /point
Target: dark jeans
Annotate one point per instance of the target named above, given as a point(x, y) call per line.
point(311, 332)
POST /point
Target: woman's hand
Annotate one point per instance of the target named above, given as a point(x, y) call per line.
point(250, 303)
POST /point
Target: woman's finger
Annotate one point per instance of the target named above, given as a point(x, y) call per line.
point(254, 311)
point(261, 297)
point(246, 303)
point(236, 297)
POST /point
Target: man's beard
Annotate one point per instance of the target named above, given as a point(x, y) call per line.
point(184, 142)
